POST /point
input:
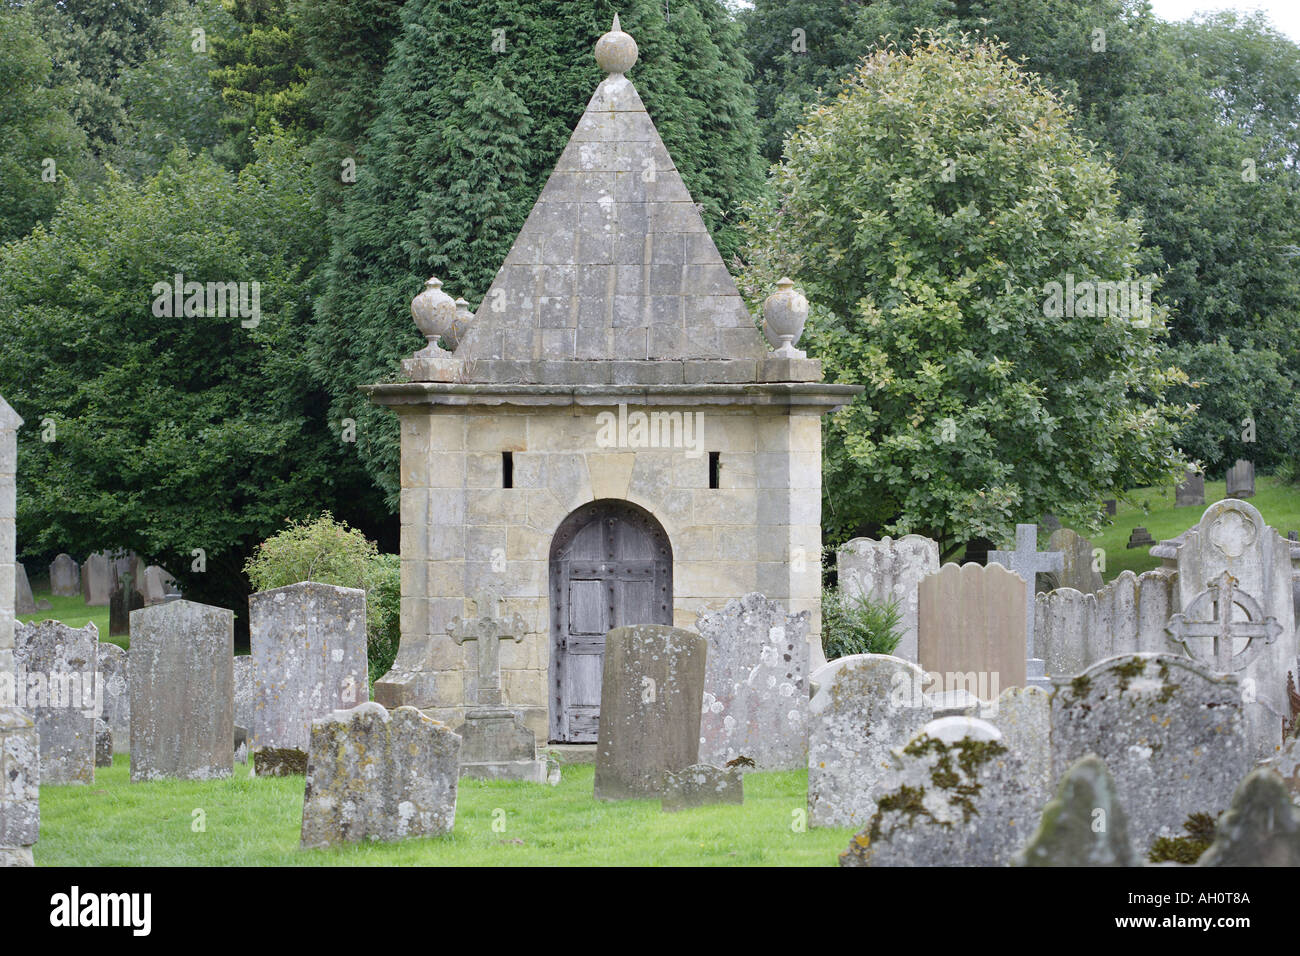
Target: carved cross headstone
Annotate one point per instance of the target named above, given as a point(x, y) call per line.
point(1027, 561)
point(1209, 622)
point(488, 630)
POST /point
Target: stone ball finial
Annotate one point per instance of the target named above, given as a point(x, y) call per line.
point(434, 312)
point(784, 313)
point(616, 51)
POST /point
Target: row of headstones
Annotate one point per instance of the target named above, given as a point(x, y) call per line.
point(98, 582)
point(941, 782)
point(1239, 483)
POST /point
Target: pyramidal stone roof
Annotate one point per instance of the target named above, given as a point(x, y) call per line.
point(9, 420)
point(614, 278)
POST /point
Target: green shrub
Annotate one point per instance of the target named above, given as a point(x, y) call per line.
point(858, 626)
point(329, 552)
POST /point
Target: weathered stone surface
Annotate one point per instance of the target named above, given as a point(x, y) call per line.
point(1241, 479)
point(1287, 765)
point(115, 680)
point(103, 743)
point(245, 695)
point(96, 580)
point(156, 585)
point(57, 666)
point(24, 603)
point(889, 570)
point(971, 619)
point(1075, 630)
point(309, 659)
point(182, 692)
point(1084, 825)
point(1191, 490)
point(65, 576)
point(20, 777)
point(1163, 727)
point(865, 706)
point(279, 762)
point(1260, 828)
point(755, 685)
point(1024, 717)
point(1232, 536)
point(955, 796)
point(651, 695)
point(1076, 570)
point(700, 786)
point(379, 776)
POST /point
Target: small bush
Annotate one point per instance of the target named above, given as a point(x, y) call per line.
point(329, 552)
point(858, 626)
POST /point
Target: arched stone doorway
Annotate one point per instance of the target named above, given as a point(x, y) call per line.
point(611, 566)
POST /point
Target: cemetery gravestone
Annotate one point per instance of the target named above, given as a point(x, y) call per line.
point(889, 570)
point(1084, 825)
point(1028, 562)
point(495, 743)
point(1191, 490)
point(24, 602)
point(1140, 537)
point(65, 577)
point(1023, 715)
point(1158, 722)
point(755, 685)
point(865, 705)
point(103, 743)
point(182, 692)
point(1260, 828)
point(20, 777)
point(157, 586)
point(96, 580)
point(309, 659)
point(1112, 506)
point(651, 694)
point(1077, 569)
point(700, 786)
point(114, 680)
point(244, 693)
point(1241, 479)
point(121, 603)
point(972, 621)
point(58, 664)
point(975, 806)
point(376, 775)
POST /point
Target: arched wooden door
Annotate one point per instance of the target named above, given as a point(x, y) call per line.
point(611, 566)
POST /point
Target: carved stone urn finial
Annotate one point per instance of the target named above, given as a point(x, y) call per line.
point(784, 313)
point(434, 312)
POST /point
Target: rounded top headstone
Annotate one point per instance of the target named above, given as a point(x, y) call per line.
point(616, 51)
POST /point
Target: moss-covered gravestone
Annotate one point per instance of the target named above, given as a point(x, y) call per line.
point(1259, 829)
point(1084, 825)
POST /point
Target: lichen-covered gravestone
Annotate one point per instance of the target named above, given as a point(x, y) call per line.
point(309, 659)
point(1077, 562)
point(865, 706)
point(1024, 716)
point(889, 570)
point(115, 682)
point(755, 685)
point(20, 776)
point(955, 796)
point(103, 743)
point(1170, 733)
point(65, 576)
point(700, 786)
point(1084, 825)
point(182, 692)
point(650, 699)
point(381, 776)
point(58, 663)
point(1261, 827)
point(244, 706)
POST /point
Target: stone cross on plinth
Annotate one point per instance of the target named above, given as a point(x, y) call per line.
point(1209, 622)
point(488, 630)
point(1027, 561)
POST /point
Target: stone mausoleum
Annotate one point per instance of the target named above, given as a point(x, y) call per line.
point(607, 441)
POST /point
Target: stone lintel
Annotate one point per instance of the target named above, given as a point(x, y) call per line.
point(818, 395)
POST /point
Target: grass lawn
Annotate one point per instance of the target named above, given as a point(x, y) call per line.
point(73, 612)
point(255, 822)
point(1278, 503)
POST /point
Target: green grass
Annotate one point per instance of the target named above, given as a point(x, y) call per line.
point(1278, 503)
point(73, 612)
point(256, 821)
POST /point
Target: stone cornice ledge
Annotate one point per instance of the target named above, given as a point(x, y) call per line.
point(815, 394)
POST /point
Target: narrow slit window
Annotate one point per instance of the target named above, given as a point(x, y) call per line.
point(507, 469)
point(715, 464)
